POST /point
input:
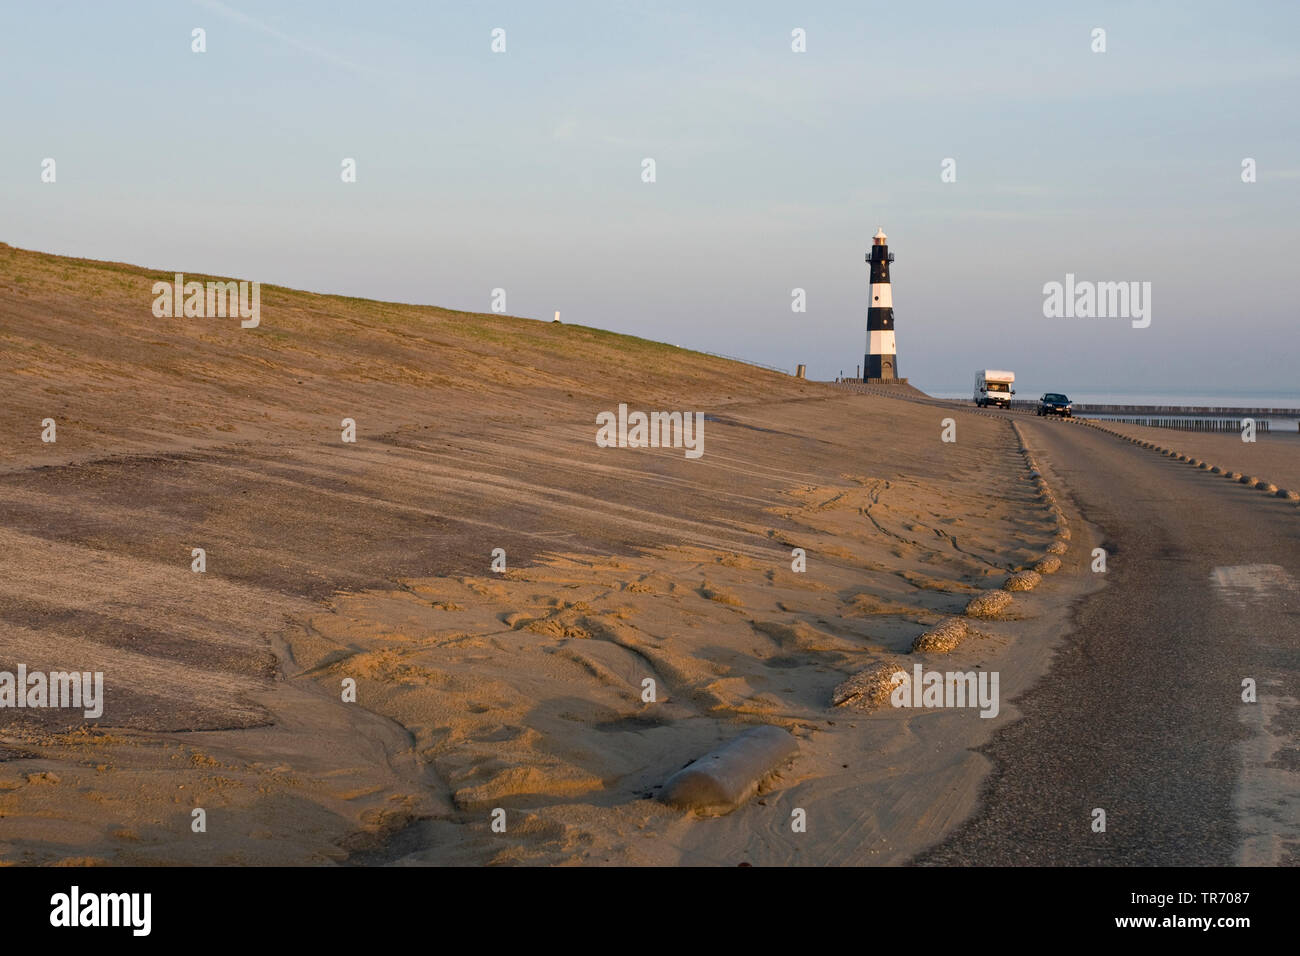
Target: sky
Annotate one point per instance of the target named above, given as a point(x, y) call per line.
point(523, 170)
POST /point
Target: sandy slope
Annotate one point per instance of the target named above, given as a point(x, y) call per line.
point(371, 561)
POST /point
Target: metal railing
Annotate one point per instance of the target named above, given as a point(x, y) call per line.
point(732, 358)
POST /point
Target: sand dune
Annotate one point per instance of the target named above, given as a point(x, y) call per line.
point(476, 690)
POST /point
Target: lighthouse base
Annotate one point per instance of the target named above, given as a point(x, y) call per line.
point(879, 368)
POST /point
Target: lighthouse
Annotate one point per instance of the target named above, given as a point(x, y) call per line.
point(881, 361)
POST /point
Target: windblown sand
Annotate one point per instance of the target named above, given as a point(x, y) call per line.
point(649, 609)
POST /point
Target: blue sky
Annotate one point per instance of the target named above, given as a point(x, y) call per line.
point(522, 170)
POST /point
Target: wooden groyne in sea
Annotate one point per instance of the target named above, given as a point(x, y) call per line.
point(1183, 410)
point(1188, 424)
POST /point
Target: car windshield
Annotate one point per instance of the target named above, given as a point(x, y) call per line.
point(997, 386)
point(1053, 397)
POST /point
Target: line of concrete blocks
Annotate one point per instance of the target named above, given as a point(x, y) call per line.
point(728, 776)
point(992, 604)
point(1260, 484)
point(870, 688)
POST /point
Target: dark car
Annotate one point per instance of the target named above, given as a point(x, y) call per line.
point(1054, 403)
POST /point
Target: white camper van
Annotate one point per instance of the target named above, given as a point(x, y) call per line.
point(993, 387)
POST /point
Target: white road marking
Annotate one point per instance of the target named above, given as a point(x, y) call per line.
point(1267, 801)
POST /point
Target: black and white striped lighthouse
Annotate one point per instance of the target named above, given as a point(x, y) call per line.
point(881, 361)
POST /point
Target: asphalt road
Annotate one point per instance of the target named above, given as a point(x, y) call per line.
point(1141, 713)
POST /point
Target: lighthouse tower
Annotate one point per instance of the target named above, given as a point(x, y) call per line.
point(881, 361)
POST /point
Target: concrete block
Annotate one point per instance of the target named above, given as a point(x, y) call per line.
point(725, 778)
